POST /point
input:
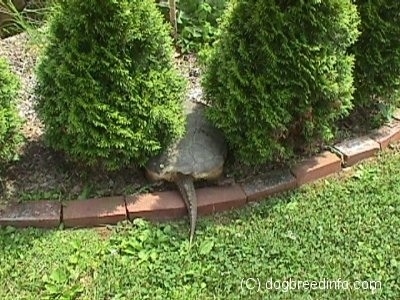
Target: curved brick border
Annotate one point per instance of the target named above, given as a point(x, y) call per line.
point(168, 205)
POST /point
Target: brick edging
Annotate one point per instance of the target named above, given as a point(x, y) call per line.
point(168, 205)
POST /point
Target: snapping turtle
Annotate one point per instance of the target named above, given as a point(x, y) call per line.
point(199, 154)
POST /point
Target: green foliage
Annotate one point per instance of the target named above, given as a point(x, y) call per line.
point(108, 91)
point(338, 229)
point(10, 122)
point(377, 53)
point(198, 23)
point(280, 76)
point(29, 20)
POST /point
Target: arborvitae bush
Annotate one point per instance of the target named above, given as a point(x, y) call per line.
point(109, 94)
point(281, 75)
point(10, 122)
point(377, 53)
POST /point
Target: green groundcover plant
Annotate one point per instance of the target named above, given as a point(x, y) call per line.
point(10, 122)
point(108, 91)
point(280, 75)
point(377, 53)
point(198, 23)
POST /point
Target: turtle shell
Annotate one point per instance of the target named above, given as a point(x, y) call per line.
point(200, 153)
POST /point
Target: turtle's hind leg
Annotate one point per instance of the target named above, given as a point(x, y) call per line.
point(186, 189)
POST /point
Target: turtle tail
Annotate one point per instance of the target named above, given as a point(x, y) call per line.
point(186, 189)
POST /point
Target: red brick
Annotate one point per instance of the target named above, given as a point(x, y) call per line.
point(396, 134)
point(94, 212)
point(43, 214)
point(156, 206)
point(386, 135)
point(357, 149)
point(216, 199)
point(265, 185)
point(317, 167)
point(169, 205)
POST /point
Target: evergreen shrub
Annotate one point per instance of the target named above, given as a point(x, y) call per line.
point(109, 94)
point(280, 75)
point(377, 53)
point(10, 122)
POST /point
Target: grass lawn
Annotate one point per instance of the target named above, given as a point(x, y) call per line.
point(338, 229)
